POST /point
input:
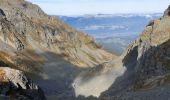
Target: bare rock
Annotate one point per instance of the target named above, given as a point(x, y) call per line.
point(15, 85)
point(167, 12)
point(2, 12)
point(148, 65)
point(26, 27)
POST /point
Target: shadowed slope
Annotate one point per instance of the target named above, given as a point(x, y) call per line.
point(148, 68)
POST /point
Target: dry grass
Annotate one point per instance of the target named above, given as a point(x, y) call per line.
point(2, 76)
point(5, 59)
point(29, 61)
point(33, 55)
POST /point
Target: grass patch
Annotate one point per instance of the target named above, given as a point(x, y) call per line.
point(5, 60)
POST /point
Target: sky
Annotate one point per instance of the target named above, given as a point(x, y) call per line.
point(81, 7)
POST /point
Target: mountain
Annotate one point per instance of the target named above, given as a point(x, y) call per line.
point(140, 73)
point(147, 61)
point(27, 27)
point(113, 31)
point(69, 65)
point(46, 49)
point(96, 25)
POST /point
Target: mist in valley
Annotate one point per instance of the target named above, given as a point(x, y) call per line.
point(93, 83)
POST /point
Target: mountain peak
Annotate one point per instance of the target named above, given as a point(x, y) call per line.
point(167, 11)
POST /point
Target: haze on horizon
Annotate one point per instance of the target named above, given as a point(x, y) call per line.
point(81, 7)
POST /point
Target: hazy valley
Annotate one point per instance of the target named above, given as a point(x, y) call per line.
point(46, 57)
point(113, 32)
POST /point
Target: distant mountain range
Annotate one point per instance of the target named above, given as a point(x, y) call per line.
point(113, 32)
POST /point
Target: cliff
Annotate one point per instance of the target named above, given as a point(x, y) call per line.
point(148, 65)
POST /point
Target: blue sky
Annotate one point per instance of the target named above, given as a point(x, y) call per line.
point(81, 7)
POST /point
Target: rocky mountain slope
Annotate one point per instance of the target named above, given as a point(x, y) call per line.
point(26, 32)
point(48, 50)
point(148, 65)
point(32, 41)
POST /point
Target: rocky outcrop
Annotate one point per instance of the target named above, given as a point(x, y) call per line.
point(152, 53)
point(2, 12)
point(167, 12)
point(148, 65)
point(14, 85)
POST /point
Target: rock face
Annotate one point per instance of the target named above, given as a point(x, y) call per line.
point(167, 12)
point(25, 29)
point(14, 85)
point(148, 65)
point(33, 42)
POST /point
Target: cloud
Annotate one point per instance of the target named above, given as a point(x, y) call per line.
point(103, 27)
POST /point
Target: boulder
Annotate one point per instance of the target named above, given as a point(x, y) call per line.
point(16, 86)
